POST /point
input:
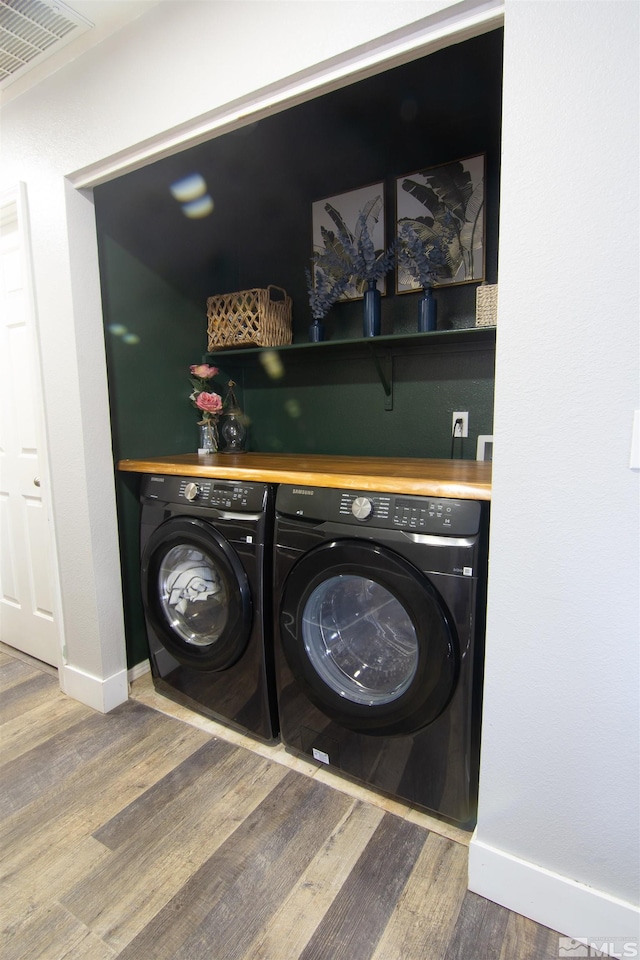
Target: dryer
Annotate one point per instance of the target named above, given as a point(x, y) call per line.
point(379, 639)
point(206, 567)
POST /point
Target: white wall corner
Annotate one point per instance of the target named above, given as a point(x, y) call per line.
point(102, 695)
point(571, 908)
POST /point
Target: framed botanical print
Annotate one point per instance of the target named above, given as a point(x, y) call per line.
point(440, 225)
point(348, 215)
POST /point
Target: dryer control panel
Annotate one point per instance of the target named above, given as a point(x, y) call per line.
point(443, 516)
point(221, 494)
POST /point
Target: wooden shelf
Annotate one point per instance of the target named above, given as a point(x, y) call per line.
point(246, 362)
point(361, 346)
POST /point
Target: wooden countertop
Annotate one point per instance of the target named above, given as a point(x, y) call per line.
point(465, 479)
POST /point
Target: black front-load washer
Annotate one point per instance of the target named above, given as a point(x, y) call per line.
point(379, 639)
point(206, 569)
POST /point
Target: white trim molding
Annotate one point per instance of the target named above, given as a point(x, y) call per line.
point(573, 909)
point(138, 670)
point(102, 695)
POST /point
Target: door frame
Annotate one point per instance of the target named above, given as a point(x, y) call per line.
point(98, 676)
point(448, 26)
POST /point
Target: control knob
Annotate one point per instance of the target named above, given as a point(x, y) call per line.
point(191, 491)
point(361, 508)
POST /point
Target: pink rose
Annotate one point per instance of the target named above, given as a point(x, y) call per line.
point(203, 371)
point(209, 402)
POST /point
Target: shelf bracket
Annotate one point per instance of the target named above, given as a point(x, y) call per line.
point(384, 369)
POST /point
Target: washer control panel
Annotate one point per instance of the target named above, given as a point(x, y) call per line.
point(441, 515)
point(203, 492)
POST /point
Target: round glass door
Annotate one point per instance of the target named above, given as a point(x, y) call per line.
point(193, 595)
point(360, 639)
point(196, 594)
point(368, 638)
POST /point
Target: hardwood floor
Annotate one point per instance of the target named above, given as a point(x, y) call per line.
point(139, 835)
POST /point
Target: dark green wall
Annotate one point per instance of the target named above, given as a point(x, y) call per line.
point(336, 404)
point(148, 378)
point(158, 267)
point(148, 394)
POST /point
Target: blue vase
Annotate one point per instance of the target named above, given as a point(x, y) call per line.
point(371, 324)
point(427, 311)
point(316, 332)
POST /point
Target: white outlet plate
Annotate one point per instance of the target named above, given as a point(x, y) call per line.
point(456, 431)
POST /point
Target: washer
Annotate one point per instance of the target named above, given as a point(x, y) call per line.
point(379, 639)
point(206, 568)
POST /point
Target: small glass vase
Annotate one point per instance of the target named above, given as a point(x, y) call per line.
point(427, 311)
point(234, 431)
point(371, 317)
point(208, 437)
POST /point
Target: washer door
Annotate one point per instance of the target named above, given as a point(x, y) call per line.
point(368, 638)
point(196, 594)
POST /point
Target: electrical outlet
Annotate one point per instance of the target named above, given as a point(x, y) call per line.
point(460, 429)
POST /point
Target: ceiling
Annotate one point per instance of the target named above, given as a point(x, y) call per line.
point(60, 31)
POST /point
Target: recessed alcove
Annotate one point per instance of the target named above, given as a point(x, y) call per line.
point(158, 267)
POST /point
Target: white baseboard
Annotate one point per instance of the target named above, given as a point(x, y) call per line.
point(138, 670)
point(573, 909)
point(99, 694)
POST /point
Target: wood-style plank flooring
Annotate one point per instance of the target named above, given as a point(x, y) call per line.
point(141, 836)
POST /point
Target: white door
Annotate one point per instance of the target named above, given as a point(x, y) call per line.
point(26, 539)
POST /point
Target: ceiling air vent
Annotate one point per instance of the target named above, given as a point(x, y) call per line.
point(31, 30)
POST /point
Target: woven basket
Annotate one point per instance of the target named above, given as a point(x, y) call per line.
point(486, 305)
point(250, 317)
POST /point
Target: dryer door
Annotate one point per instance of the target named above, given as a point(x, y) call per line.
point(196, 594)
point(368, 638)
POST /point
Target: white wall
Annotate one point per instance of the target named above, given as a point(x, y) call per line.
point(560, 774)
point(560, 736)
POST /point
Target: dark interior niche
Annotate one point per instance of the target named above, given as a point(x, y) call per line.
point(264, 177)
